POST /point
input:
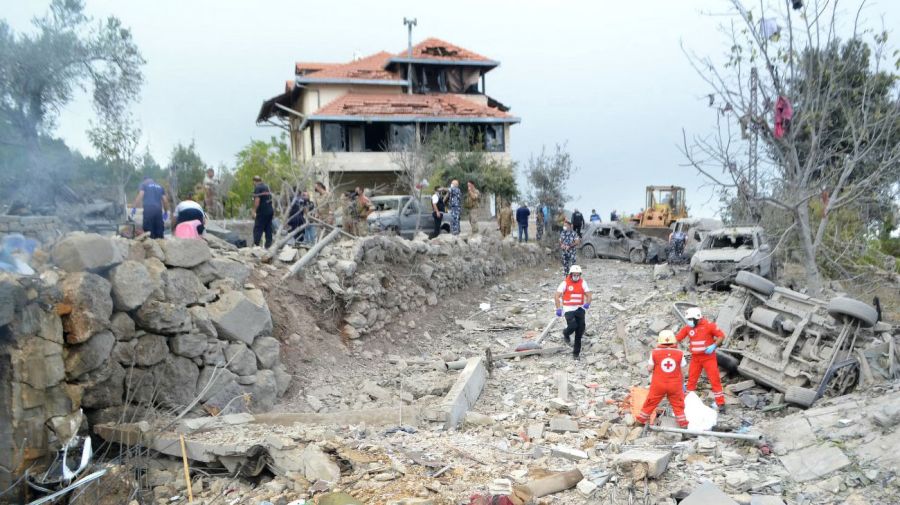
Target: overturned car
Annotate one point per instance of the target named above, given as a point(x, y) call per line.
point(802, 346)
point(613, 240)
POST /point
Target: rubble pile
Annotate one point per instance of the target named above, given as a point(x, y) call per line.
point(378, 278)
point(123, 328)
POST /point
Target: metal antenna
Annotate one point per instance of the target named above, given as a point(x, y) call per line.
point(409, 25)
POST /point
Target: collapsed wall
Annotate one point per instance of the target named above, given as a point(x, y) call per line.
point(371, 281)
point(120, 329)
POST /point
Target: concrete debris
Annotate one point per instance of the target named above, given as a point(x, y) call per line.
point(561, 424)
point(653, 461)
point(707, 494)
point(814, 462)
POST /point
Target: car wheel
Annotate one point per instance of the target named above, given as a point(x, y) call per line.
point(755, 282)
point(588, 251)
point(803, 397)
point(637, 256)
point(841, 308)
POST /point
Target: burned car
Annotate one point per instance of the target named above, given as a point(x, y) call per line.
point(727, 251)
point(687, 235)
point(802, 346)
point(613, 240)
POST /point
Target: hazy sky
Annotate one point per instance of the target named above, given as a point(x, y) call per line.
point(609, 78)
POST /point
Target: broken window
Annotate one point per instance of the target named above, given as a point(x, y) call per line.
point(493, 138)
point(402, 135)
point(334, 138)
point(731, 242)
point(602, 232)
point(432, 79)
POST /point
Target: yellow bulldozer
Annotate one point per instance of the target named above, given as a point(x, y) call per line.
point(664, 206)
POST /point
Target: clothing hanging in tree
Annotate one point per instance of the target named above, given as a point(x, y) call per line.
point(783, 115)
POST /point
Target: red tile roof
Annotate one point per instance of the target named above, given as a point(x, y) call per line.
point(370, 67)
point(309, 67)
point(412, 106)
point(437, 49)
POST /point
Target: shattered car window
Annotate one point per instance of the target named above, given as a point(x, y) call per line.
point(381, 204)
point(731, 242)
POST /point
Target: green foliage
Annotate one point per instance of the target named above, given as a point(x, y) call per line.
point(188, 168)
point(548, 175)
point(40, 72)
point(269, 160)
point(455, 153)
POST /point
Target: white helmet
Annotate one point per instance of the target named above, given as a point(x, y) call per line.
point(666, 337)
point(575, 269)
point(692, 313)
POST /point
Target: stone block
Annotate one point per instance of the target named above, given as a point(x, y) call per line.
point(150, 349)
point(655, 461)
point(85, 357)
point(89, 297)
point(586, 488)
point(561, 424)
point(241, 359)
point(108, 390)
point(465, 392)
point(185, 253)
point(201, 321)
point(535, 431)
point(183, 287)
point(707, 494)
point(375, 391)
point(267, 350)
point(319, 466)
point(263, 391)
point(570, 453)
point(176, 381)
point(758, 499)
point(189, 345)
point(12, 297)
point(79, 252)
point(239, 318)
point(130, 285)
point(163, 317)
point(814, 462)
point(222, 268)
point(122, 326)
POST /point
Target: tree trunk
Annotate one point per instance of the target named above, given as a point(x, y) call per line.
point(813, 280)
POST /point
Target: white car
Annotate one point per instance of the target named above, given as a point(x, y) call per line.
point(727, 251)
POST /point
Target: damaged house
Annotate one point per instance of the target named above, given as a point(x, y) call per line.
point(347, 117)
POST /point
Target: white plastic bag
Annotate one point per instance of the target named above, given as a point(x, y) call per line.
point(699, 416)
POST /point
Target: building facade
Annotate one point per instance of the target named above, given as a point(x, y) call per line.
point(347, 118)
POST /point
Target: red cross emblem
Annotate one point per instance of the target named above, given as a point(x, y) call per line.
point(668, 365)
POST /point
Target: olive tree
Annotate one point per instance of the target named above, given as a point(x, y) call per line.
point(832, 145)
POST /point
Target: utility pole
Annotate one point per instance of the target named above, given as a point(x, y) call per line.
point(409, 26)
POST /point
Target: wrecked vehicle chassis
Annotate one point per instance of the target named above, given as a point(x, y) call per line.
point(791, 342)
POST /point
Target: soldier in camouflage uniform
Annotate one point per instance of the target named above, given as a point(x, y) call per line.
point(473, 201)
point(455, 206)
point(568, 244)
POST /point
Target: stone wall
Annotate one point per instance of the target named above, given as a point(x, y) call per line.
point(379, 277)
point(125, 329)
point(42, 228)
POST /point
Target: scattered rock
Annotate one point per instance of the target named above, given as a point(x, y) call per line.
point(241, 359)
point(318, 466)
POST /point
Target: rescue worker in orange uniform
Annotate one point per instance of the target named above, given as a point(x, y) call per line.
point(667, 381)
point(573, 299)
point(705, 337)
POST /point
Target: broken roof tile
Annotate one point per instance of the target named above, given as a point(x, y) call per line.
point(370, 67)
point(437, 49)
point(386, 105)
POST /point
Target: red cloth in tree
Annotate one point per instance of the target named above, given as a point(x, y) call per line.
point(783, 115)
